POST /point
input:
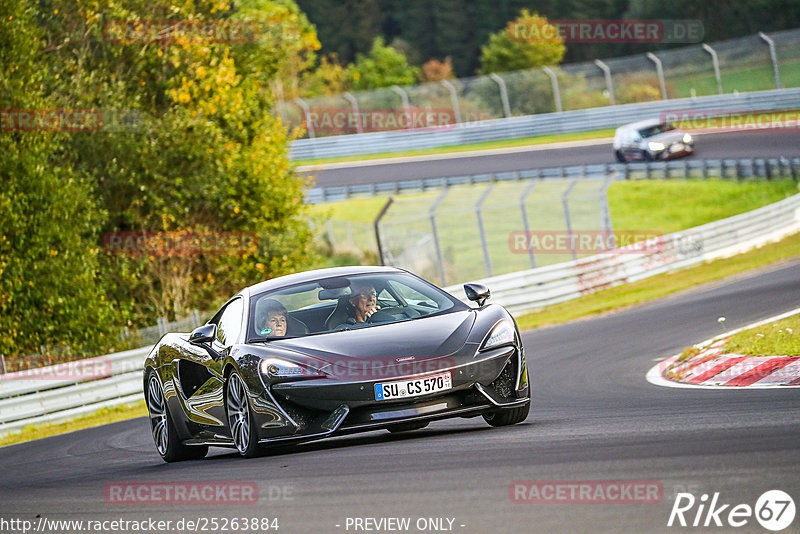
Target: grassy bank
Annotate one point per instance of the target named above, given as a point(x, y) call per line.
point(98, 418)
point(781, 338)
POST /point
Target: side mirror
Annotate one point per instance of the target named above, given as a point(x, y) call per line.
point(477, 293)
point(203, 334)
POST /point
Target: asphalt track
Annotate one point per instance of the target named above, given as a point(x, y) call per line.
point(767, 143)
point(594, 418)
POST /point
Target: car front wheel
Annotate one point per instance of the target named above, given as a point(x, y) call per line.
point(509, 416)
point(240, 418)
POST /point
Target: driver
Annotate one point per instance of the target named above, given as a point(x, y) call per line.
point(274, 322)
point(363, 302)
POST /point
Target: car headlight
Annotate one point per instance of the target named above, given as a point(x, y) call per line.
point(687, 138)
point(655, 146)
point(278, 368)
point(502, 334)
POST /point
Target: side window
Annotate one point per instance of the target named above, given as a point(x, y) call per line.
point(413, 296)
point(386, 299)
point(230, 323)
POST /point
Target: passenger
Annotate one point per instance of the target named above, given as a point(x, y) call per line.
point(363, 302)
point(275, 320)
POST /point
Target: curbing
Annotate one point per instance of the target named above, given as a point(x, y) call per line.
point(711, 369)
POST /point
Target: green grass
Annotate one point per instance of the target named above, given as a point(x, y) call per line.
point(507, 143)
point(663, 285)
point(781, 338)
point(652, 206)
point(98, 418)
point(743, 79)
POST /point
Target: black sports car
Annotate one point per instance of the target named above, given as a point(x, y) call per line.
point(330, 352)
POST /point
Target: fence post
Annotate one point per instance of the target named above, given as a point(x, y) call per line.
point(404, 97)
point(375, 225)
point(554, 83)
point(2, 364)
point(526, 223)
point(773, 57)
point(565, 205)
point(660, 70)
point(354, 104)
point(307, 112)
point(484, 245)
point(195, 315)
point(605, 211)
point(715, 61)
point(162, 326)
point(453, 99)
point(436, 244)
point(609, 83)
point(503, 93)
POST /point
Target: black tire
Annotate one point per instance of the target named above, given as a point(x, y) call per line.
point(507, 417)
point(165, 436)
point(407, 427)
point(620, 156)
point(647, 156)
point(240, 417)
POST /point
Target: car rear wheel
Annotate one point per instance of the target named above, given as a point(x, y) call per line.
point(240, 419)
point(163, 429)
point(620, 156)
point(507, 417)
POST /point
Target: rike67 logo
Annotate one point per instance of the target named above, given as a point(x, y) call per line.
point(774, 510)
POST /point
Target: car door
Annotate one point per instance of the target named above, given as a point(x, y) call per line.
point(200, 379)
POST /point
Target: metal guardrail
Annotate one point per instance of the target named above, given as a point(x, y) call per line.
point(534, 289)
point(532, 125)
point(59, 392)
point(26, 401)
point(683, 168)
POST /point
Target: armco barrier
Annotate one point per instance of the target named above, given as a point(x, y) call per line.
point(532, 125)
point(49, 400)
point(53, 395)
point(735, 169)
point(536, 288)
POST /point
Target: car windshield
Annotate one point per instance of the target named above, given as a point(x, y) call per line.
point(650, 131)
point(345, 303)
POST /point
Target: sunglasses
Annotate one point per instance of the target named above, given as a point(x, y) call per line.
point(367, 294)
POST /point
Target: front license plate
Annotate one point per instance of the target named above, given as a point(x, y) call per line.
point(413, 387)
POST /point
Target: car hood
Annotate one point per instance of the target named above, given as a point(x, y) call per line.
point(388, 344)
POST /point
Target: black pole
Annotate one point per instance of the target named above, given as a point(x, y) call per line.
point(375, 224)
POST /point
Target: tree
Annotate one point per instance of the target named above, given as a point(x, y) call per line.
point(382, 67)
point(534, 43)
point(49, 218)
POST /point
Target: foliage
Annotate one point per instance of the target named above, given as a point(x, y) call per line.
point(48, 216)
point(435, 71)
point(506, 52)
point(202, 154)
point(382, 67)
